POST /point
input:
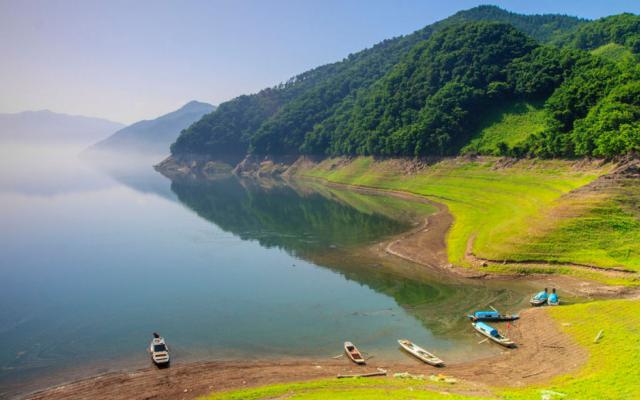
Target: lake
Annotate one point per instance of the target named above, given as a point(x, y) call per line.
point(94, 259)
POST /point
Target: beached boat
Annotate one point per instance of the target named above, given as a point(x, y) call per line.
point(537, 302)
point(353, 353)
point(421, 353)
point(539, 299)
point(491, 316)
point(493, 334)
point(159, 350)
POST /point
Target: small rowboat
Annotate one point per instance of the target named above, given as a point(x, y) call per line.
point(420, 353)
point(537, 301)
point(353, 353)
point(491, 316)
point(493, 334)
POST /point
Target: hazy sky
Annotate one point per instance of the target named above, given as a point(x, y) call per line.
point(130, 60)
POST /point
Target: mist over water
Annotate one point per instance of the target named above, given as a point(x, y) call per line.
point(97, 255)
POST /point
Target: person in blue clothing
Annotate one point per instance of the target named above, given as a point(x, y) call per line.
point(553, 297)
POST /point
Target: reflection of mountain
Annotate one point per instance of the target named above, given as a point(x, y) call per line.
point(280, 216)
point(137, 174)
point(326, 227)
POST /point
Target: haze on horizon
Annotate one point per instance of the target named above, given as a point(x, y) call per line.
point(127, 61)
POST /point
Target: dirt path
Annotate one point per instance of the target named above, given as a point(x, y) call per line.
point(543, 352)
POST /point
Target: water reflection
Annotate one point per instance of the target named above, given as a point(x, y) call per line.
point(338, 229)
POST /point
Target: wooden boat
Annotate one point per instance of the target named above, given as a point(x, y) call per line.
point(491, 316)
point(420, 353)
point(353, 353)
point(493, 334)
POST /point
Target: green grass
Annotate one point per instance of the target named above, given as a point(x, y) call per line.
point(365, 388)
point(611, 371)
point(511, 125)
point(605, 236)
point(490, 203)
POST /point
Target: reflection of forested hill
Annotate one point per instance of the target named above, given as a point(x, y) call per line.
point(280, 217)
point(325, 226)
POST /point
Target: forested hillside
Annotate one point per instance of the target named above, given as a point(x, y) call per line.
point(428, 93)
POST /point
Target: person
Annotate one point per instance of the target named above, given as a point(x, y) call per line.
point(553, 298)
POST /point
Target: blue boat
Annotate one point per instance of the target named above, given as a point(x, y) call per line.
point(540, 298)
point(491, 316)
point(493, 334)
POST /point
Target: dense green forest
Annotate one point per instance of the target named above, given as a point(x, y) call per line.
point(430, 92)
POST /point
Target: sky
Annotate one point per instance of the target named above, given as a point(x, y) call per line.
point(132, 60)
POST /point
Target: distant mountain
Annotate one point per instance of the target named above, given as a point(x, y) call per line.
point(49, 127)
point(154, 136)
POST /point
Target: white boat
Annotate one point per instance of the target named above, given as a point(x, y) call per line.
point(493, 334)
point(353, 353)
point(420, 353)
point(159, 350)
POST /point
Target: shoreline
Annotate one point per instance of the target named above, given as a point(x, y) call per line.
point(538, 337)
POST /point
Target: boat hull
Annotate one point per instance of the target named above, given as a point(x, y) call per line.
point(501, 318)
point(421, 354)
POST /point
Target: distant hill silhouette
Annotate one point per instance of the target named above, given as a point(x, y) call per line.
point(156, 135)
point(50, 127)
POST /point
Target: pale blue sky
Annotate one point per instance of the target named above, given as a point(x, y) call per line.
point(130, 60)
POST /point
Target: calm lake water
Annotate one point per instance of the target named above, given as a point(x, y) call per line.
point(93, 260)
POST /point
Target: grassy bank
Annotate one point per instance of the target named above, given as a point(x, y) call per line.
point(488, 201)
point(610, 373)
point(601, 227)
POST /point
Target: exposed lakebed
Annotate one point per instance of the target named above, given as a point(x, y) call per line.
point(93, 262)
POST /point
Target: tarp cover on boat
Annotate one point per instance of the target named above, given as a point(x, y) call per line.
point(493, 331)
point(541, 296)
point(486, 314)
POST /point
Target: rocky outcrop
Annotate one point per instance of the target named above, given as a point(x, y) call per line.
point(196, 166)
